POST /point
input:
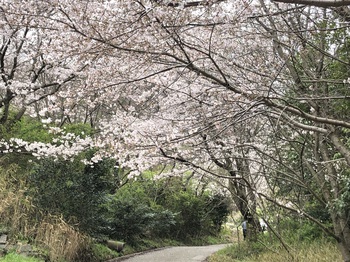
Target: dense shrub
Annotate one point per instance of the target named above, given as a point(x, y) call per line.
point(198, 214)
point(218, 209)
point(299, 229)
point(131, 214)
point(73, 190)
point(163, 209)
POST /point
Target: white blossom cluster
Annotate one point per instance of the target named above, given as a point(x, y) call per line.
point(66, 146)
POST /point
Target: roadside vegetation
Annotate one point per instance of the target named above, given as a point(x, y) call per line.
point(69, 210)
point(302, 241)
point(13, 257)
point(317, 251)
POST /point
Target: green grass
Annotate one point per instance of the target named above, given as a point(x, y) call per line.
point(315, 251)
point(103, 253)
point(13, 257)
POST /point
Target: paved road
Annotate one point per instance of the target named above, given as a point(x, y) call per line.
point(176, 254)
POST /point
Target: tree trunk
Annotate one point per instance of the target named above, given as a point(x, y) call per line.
point(342, 230)
point(245, 202)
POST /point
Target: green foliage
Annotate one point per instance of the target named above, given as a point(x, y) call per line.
point(197, 215)
point(342, 204)
point(240, 251)
point(163, 209)
point(132, 215)
point(73, 190)
point(218, 210)
point(102, 252)
point(191, 213)
point(162, 223)
point(80, 129)
point(304, 242)
point(31, 130)
point(315, 251)
point(318, 211)
point(129, 219)
point(13, 257)
point(299, 230)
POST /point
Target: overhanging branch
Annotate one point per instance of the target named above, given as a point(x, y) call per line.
point(188, 3)
point(319, 3)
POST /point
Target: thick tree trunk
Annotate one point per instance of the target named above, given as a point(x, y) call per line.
point(5, 103)
point(246, 205)
point(249, 215)
point(342, 230)
point(339, 216)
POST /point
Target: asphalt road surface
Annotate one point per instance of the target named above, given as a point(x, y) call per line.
point(176, 254)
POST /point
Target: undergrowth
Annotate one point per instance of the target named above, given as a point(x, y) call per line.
point(24, 222)
point(319, 250)
point(13, 257)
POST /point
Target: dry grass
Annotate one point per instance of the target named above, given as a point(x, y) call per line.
point(61, 239)
point(313, 252)
point(15, 206)
point(25, 222)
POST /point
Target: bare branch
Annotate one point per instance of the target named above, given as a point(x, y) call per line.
point(319, 3)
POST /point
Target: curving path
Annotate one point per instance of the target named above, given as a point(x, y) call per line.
point(175, 254)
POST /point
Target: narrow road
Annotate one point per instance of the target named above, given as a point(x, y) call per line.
point(176, 254)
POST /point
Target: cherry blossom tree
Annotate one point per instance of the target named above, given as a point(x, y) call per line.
point(181, 118)
point(190, 85)
point(44, 76)
point(200, 50)
point(32, 68)
point(318, 91)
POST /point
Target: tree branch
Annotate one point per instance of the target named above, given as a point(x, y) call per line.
point(189, 4)
point(319, 3)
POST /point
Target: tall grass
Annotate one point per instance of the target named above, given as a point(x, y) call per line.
point(61, 240)
point(316, 251)
point(15, 206)
point(24, 222)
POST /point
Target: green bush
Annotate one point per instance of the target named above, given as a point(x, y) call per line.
point(217, 209)
point(163, 209)
point(132, 215)
point(197, 214)
point(73, 190)
point(191, 215)
point(298, 229)
point(128, 219)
